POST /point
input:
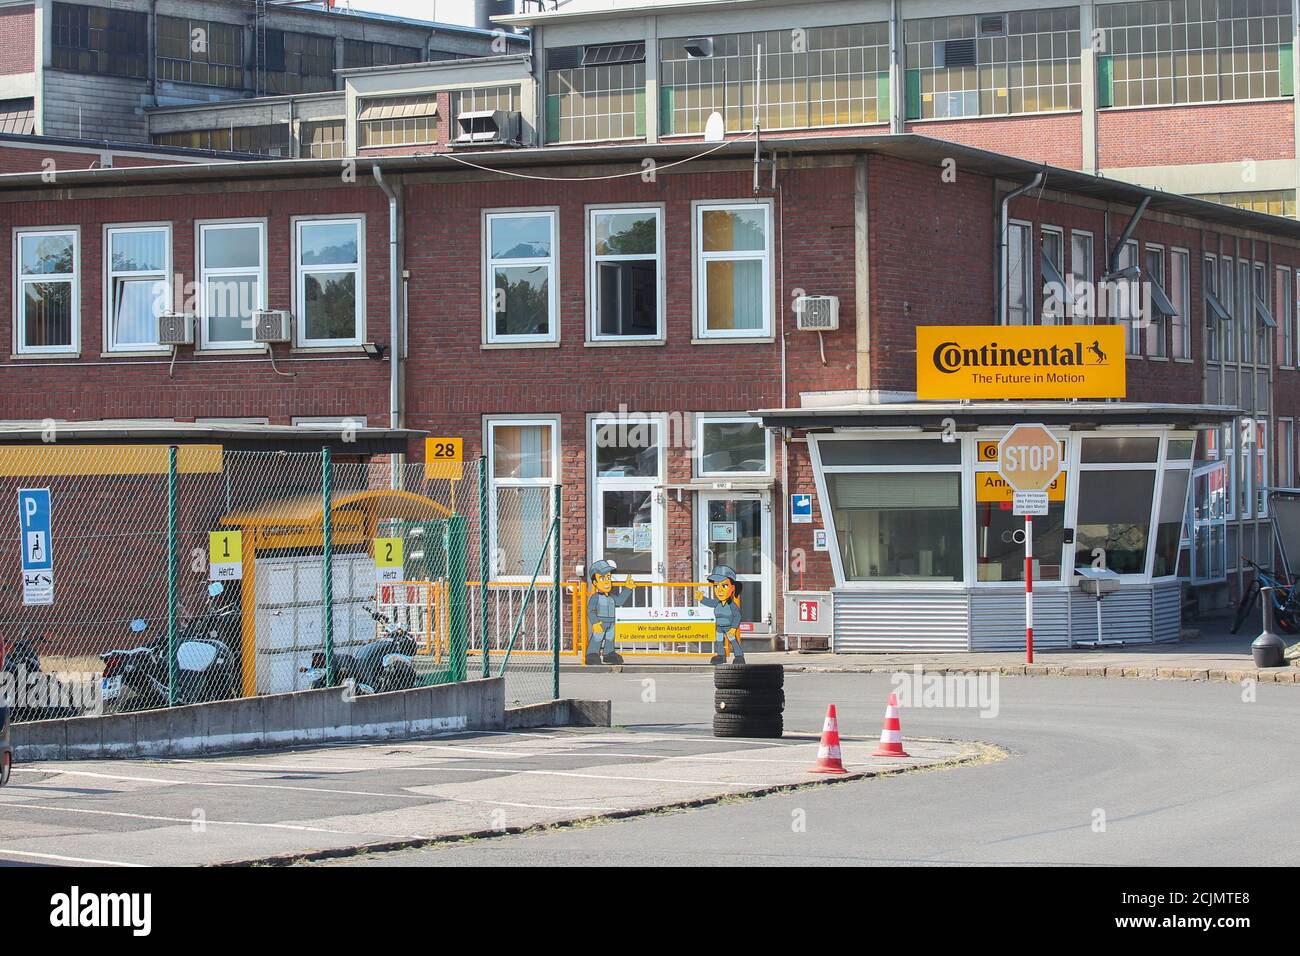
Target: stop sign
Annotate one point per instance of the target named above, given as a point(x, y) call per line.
point(1029, 458)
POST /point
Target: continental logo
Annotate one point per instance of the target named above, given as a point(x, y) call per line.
point(950, 357)
point(1045, 361)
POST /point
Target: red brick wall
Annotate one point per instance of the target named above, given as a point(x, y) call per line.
point(1052, 138)
point(231, 386)
point(17, 40)
point(1176, 135)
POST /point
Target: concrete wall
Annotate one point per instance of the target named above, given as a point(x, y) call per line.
point(251, 723)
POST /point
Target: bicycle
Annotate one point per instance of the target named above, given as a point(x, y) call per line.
point(1286, 603)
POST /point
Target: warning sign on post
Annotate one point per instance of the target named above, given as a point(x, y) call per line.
point(225, 555)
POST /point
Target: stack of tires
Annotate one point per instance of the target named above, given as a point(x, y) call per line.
point(748, 700)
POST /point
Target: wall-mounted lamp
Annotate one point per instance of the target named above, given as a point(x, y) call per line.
point(374, 350)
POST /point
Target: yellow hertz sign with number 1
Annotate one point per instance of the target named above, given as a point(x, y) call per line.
point(444, 458)
point(225, 555)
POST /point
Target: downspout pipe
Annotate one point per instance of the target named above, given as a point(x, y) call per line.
point(1002, 241)
point(394, 294)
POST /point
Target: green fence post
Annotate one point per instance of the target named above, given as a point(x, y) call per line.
point(327, 544)
point(557, 599)
point(171, 576)
point(457, 597)
point(484, 565)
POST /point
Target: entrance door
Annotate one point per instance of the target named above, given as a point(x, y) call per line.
point(736, 530)
point(628, 504)
point(1209, 509)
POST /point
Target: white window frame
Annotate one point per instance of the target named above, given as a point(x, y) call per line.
point(329, 421)
point(1029, 271)
point(1286, 347)
point(1131, 317)
point(1285, 466)
point(552, 262)
point(300, 273)
point(19, 281)
point(598, 484)
point(1059, 233)
point(1074, 278)
point(490, 424)
point(110, 329)
point(202, 227)
point(1157, 329)
point(709, 419)
point(700, 259)
point(593, 263)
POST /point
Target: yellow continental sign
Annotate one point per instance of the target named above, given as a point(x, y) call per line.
point(990, 487)
point(444, 458)
point(1020, 361)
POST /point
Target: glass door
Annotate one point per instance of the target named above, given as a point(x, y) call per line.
point(627, 502)
point(736, 530)
point(1209, 510)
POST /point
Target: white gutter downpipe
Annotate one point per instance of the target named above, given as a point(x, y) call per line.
point(1002, 242)
point(394, 294)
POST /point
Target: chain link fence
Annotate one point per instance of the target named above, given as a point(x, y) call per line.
point(157, 576)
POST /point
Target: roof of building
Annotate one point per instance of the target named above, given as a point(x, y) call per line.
point(933, 415)
point(906, 146)
point(567, 11)
point(344, 439)
point(17, 141)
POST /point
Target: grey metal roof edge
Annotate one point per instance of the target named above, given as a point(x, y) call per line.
point(27, 141)
point(246, 101)
point(81, 432)
point(497, 60)
point(910, 147)
point(543, 17)
point(921, 414)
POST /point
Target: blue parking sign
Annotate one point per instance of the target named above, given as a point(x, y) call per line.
point(35, 535)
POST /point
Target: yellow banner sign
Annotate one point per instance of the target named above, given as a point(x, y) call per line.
point(444, 458)
point(663, 631)
point(991, 488)
point(1020, 361)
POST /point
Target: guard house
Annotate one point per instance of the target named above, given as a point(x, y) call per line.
point(924, 544)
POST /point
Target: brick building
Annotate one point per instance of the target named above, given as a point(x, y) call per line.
point(622, 319)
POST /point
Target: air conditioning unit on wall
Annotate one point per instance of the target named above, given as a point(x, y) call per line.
point(817, 313)
point(273, 325)
point(175, 328)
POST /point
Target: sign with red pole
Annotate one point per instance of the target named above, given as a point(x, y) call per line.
point(1029, 460)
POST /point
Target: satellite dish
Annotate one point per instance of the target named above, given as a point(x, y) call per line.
point(715, 130)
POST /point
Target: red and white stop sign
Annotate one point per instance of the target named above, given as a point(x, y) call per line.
point(1029, 458)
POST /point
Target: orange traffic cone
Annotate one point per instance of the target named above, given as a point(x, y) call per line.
point(828, 753)
point(891, 734)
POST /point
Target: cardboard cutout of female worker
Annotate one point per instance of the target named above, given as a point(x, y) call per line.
point(725, 601)
point(600, 612)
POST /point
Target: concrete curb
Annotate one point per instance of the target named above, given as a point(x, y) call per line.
point(1274, 675)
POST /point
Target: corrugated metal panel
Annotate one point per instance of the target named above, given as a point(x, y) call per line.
point(1168, 602)
point(1125, 615)
point(998, 619)
point(901, 621)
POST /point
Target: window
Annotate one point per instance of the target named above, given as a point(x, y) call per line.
point(839, 77)
point(524, 461)
point(100, 40)
point(1126, 298)
point(1216, 315)
point(731, 446)
point(1051, 251)
point(520, 281)
point(398, 121)
point(18, 116)
point(897, 515)
point(1180, 295)
point(627, 461)
point(201, 52)
point(733, 253)
point(1260, 468)
point(1228, 300)
point(999, 556)
point(331, 281)
point(593, 103)
point(272, 139)
point(1019, 274)
point(626, 250)
point(359, 53)
point(138, 262)
point(1262, 319)
point(1032, 67)
point(1284, 315)
point(1117, 479)
point(298, 62)
point(232, 281)
point(1084, 300)
point(1285, 452)
point(48, 299)
point(483, 98)
point(1158, 321)
point(1201, 51)
point(1169, 522)
point(322, 139)
point(1275, 202)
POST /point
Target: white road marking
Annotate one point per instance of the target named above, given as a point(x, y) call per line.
point(4, 851)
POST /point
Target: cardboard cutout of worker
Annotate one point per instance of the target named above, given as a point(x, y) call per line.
point(725, 602)
point(601, 607)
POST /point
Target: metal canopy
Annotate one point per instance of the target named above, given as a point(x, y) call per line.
point(1077, 416)
point(343, 440)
